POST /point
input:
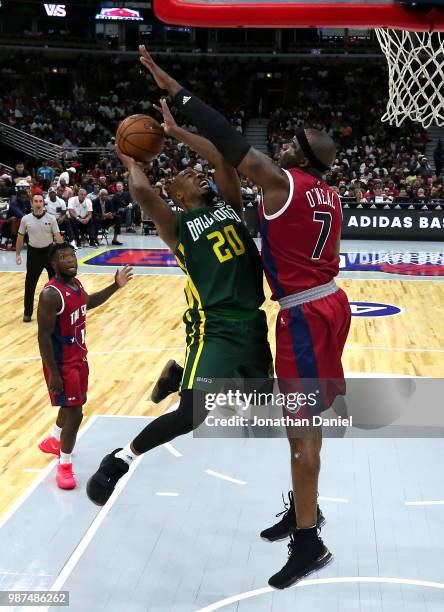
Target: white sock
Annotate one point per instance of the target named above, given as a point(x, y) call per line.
point(305, 528)
point(126, 454)
point(65, 457)
point(55, 432)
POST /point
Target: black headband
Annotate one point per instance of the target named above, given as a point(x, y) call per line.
point(301, 137)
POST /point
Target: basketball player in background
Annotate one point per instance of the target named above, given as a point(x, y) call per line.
point(226, 330)
point(61, 320)
point(300, 225)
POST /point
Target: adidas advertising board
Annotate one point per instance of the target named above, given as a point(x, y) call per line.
point(399, 224)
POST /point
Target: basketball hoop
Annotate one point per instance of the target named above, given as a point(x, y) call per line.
point(416, 76)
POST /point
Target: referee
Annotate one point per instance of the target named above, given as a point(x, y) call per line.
point(41, 228)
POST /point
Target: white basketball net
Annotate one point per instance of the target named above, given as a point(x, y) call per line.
point(416, 76)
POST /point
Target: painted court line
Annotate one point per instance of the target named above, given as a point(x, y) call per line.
point(172, 450)
point(389, 348)
point(124, 416)
point(224, 477)
point(24, 496)
point(317, 581)
point(181, 348)
point(142, 350)
point(438, 502)
point(92, 530)
point(167, 445)
point(340, 500)
point(166, 494)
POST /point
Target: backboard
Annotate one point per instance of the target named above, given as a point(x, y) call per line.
point(299, 14)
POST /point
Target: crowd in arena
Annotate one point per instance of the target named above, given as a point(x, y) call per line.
point(376, 163)
point(376, 166)
point(83, 109)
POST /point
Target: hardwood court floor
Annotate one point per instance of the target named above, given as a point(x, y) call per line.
point(132, 335)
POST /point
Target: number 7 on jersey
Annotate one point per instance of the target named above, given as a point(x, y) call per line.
point(325, 219)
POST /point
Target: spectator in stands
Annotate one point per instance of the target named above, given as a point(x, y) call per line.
point(391, 189)
point(256, 195)
point(411, 177)
point(59, 191)
point(88, 184)
point(380, 197)
point(403, 194)
point(409, 191)
point(67, 176)
point(66, 191)
point(35, 188)
point(359, 197)
point(56, 207)
point(19, 206)
point(105, 215)
point(103, 183)
point(160, 190)
point(436, 193)
point(370, 193)
point(80, 210)
point(20, 172)
point(122, 205)
point(423, 169)
point(421, 196)
point(45, 174)
point(6, 190)
point(438, 158)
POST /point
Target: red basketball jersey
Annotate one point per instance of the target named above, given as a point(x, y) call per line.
point(69, 337)
point(298, 242)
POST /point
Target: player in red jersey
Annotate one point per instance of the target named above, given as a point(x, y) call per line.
point(301, 227)
point(61, 318)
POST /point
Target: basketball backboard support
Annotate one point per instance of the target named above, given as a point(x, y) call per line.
point(299, 14)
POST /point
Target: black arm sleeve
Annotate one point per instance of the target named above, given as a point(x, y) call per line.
point(211, 124)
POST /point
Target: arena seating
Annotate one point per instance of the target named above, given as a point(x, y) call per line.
point(83, 108)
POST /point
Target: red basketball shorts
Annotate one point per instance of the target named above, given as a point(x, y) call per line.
point(75, 384)
point(310, 339)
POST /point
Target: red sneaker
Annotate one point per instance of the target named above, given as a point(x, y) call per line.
point(65, 477)
point(50, 445)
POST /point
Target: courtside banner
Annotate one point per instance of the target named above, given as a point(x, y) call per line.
point(353, 407)
point(397, 224)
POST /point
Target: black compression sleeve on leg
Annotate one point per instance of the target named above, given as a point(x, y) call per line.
point(190, 413)
point(211, 124)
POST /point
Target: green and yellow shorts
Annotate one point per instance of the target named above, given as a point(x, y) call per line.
point(225, 347)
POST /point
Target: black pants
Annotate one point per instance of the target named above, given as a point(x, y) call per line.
point(137, 214)
point(81, 228)
point(37, 260)
point(66, 226)
point(107, 223)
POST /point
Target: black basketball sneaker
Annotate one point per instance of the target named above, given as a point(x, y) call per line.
point(101, 485)
point(168, 382)
point(287, 524)
point(307, 553)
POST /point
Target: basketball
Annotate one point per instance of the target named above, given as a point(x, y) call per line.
point(141, 137)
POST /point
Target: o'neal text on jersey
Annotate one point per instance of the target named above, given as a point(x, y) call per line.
point(321, 197)
point(206, 220)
